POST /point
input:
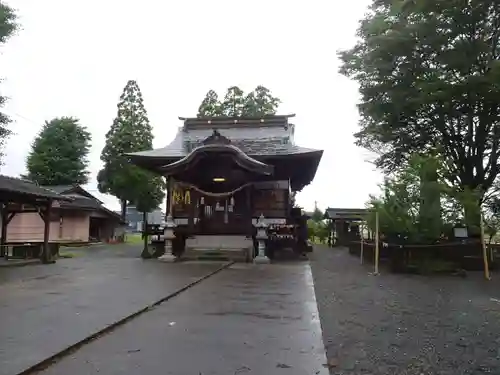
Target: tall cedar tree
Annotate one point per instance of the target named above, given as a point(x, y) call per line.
point(259, 102)
point(130, 132)
point(429, 77)
point(210, 106)
point(8, 27)
point(59, 153)
point(234, 102)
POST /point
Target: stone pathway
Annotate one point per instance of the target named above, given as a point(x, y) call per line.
point(45, 308)
point(244, 320)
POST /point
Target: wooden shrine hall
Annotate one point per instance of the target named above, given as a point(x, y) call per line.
point(231, 182)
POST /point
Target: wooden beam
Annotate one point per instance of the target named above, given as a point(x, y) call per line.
point(3, 239)
point(46, 254)
point(10, 216)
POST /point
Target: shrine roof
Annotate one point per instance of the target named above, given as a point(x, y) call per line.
point(268, 136)
point(346, 213)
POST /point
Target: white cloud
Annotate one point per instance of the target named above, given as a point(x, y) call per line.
point(74, 57)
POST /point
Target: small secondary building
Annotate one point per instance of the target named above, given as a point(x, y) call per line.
point(80, 218)
point(344, 223)
point(19, 197)
point(135, 218)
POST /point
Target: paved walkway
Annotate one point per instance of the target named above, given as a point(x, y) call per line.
point(45, 308)
point(244, 320)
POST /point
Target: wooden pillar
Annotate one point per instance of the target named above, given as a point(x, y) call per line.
point(167, 194)
point(170, 203)
point(193, 196)
point(46, 253)
point(5, 222)
point(485, 251)
point(248, 210)
point(377, 240)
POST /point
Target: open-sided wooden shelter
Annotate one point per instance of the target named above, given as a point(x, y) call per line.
point(224, 173)
point(19, 196)
point(344, 223)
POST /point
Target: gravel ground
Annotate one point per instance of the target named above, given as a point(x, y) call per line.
point(405, 324)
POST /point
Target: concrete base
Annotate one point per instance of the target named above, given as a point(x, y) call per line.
point(261, 260)
point(169, 258)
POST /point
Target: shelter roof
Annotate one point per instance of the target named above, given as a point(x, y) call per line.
point(82, 199)
point(14, 189)
point(346, 213)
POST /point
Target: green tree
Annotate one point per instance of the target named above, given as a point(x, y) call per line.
point(8, 26)
point(260, 102)
point(210, 106)
point(59, 153)
point(234, 102)
point(130, 132)
point(149, 191)
point(429, 78)
point(410, 204)
point(317, 215)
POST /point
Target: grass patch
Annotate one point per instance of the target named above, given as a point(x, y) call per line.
point(134, 238)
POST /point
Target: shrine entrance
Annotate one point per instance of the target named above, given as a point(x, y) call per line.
point(223, 215)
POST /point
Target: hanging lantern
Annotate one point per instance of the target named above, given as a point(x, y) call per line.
point(232, 201)
point(202, 200)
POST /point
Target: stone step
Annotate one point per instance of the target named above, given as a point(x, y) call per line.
point(222, 247)
point(237, 255)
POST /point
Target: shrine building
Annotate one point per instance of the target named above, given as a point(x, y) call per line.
point(225, 176)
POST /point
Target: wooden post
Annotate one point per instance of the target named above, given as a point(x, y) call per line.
point(485, 251)
point(3, 239)
point(145, 250)
point(169, 196)
point(193, 198)
point(46, 254)
point(361, 243)
point(376, 242)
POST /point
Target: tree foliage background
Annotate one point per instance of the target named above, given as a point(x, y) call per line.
point(59, 153)
point(259, 102)
point(417, 205)
point(429, 78)
point(8, 27)
point(130, 132)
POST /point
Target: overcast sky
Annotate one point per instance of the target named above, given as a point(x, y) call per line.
point(73, 58)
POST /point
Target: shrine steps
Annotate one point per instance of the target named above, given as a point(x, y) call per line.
point(218, 248)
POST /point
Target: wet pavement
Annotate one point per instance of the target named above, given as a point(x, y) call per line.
point(45, 308)
point(247, 319)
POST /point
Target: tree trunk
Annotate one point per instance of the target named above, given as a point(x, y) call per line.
point(430, 204)
point(472, 214)
point(145, 250)
point(471, 202)
point(123, 203)
point(124, 209)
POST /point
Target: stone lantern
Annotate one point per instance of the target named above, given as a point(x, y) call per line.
point(169, 236)
point(261, 238)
